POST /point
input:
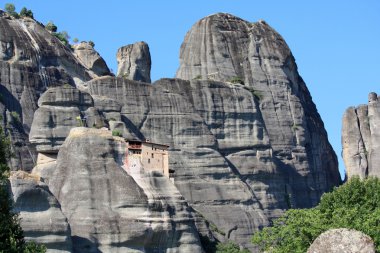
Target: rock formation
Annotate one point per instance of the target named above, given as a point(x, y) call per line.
point(107, 209)
point(342, 240)
point(31, 60)
point(134, 62)
point(361, 139)
point(90, 58)
point(246, 140)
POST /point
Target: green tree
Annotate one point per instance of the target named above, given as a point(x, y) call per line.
point(91, 43)
point(26, 13)
point(354, 205)
point(11, 234)
point(229, 247)
point(63, 37)
point(51, 27)
point(75, 40)
point(11, 10)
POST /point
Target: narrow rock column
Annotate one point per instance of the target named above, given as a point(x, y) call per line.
point(134, 62)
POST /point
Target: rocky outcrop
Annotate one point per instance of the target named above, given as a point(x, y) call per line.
point(109, 210)
point(342, 240)
point(90, 58)
point(221, 150)
point(361, 139)
point(61, 108)
point(41, 216)
point(134, 62)
point(31, 60)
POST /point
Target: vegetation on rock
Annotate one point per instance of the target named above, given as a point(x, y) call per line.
point(11, 10)
point(26, 13)
point(354, 205)
point(11, 234)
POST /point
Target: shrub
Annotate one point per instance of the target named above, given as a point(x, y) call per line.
point(75, 40)
point(354, 205)
point(229, 247)
point(51, 27)
point(11, 10)
point(117, 133)
point(237, 79)
point(63, 37)
point(198, 77)
point(16, 117)
point(26, 13)
point(91, 43)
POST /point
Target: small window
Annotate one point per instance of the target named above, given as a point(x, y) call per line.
point(152, 155)
point(148, 160)
point(152, 147)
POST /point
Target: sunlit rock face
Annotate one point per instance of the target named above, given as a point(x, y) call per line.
point(361, 139)
point(134, 62)
point(31, 61)
point(90, 58)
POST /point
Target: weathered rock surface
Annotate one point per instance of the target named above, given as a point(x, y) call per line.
point(59, 110)
point(361, 139)
point(41, 217)
point(107, 210)
point(31, 60)
point(221, 150)
point(90, 58)
point(342, 240)
point(134, 62)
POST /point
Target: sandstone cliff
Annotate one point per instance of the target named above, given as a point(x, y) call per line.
point(361, 140)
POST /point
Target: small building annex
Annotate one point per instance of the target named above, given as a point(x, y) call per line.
point(153, 156)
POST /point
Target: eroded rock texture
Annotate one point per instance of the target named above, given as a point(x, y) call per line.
point(342, 240)
point(107, 210)
point(134, 62)
point(31, 60)
point(41, 216)
point(91, 59)
point(361, 139)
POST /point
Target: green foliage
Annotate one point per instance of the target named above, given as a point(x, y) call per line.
point(198, 77)
point(75, 40)
point(51, 27)
point(11, 10)
point(11, 234)
point(63, 37)
point(229, 248)
point(354, 205)
point(16, 117)
point(26, 13)
point(237, 79)
point(91, 43)
point(117, 133)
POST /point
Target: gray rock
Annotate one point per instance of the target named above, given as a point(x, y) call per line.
point(41, 217)
point(342, 240)
point(360, 139)
point(110, 211)
point(90, 58)
point(31, 60)
point(221, 150)
point(65, 96)
point(134, 62)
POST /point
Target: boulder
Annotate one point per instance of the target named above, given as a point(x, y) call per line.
point(90, 58)
point(342, 240)
point(41, 216)
point(134, 62)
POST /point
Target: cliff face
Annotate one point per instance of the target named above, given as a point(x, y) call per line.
point(246, 140)
point(31, 60)
point(361, 140)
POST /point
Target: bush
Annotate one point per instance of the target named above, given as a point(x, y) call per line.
point(354, 205)
point(237, 79)
point(11, 10)
point(51, 27)
point(229, 248)
point(26, 13)
point(117, 133)
point(91, 43)
point(63, 37)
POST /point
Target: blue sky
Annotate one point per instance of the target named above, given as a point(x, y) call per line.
point(336, 43)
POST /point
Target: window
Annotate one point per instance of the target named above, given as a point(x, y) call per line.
point(148, 160)
point(152, 155)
